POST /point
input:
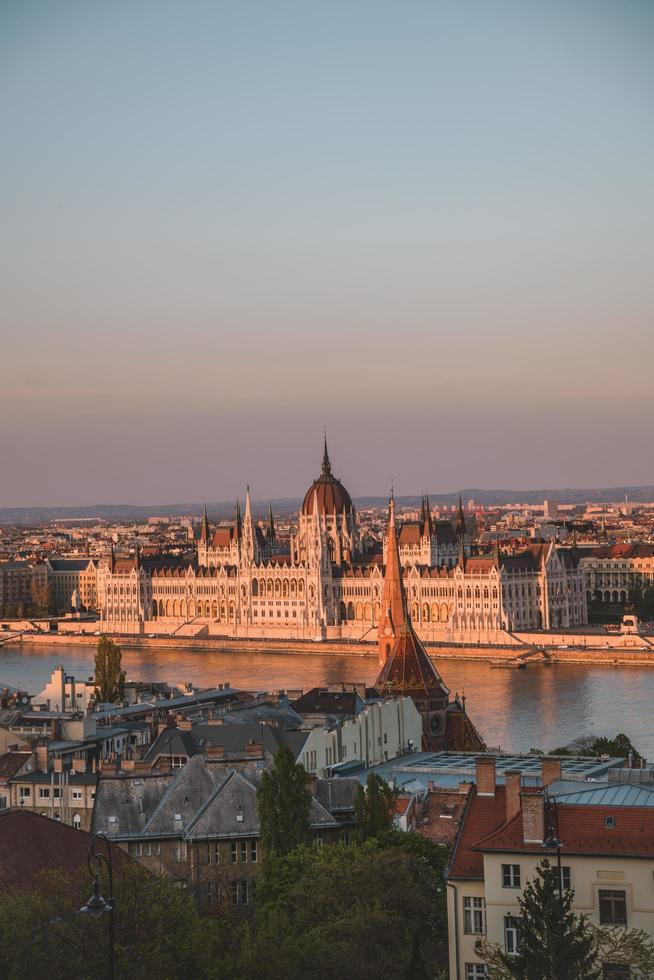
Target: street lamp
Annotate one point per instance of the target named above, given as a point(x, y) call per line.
point(553, 840)
point(97, 906)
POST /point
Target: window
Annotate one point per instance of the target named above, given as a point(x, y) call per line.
point(317, 838)
point(474, 916)
point(242, 892)
point(244, 851)
point(476, 971)
point(234, 851)
point(253, 851)
point(511, 938)
point(511, 876)
point(612, 907)
point(213, 854)
point(3, 802)
point(609, 820)
point(77, 794)
point(615, 971)
point(566, 877)
point(24, 792)
point(44, 792)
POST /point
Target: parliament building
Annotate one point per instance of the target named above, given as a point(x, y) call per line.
point(322, 584)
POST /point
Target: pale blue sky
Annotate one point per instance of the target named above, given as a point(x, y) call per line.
point(427, 225)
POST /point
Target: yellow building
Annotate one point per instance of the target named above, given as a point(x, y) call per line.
point(606, 854)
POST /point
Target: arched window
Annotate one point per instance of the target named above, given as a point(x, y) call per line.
point(278, 588)
point(367, 612)
point(293, 588)
point(425, 613)
point(77, 821)
point(269, 588)
point(300, 587)
point(434, 612)
point(350, 610)
point(414, 612)
point(285, 588)
point(255, 587)
point(342, 612)
point(445, 613)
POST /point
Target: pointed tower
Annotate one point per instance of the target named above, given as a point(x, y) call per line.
point(427, 522)
point(249, 548)
point(326, 465)
point(460, 521)
point(407, 670)
point(393, 612)
point(204, 528)
point(271, 523)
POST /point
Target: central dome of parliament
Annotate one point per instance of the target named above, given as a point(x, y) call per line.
point(333, 498)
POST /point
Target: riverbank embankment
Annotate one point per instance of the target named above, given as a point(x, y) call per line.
point(609, 657)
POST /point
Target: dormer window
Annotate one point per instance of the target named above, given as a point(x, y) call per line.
point(609, 820)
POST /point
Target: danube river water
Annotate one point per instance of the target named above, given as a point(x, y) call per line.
point(543, 706)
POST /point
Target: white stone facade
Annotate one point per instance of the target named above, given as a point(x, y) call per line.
point(323, 587)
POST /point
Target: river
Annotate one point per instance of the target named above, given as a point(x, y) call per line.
point(543, 706)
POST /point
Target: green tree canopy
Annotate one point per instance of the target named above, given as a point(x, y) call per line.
point(374, 807)
point(338, 912)
point(284, 802)
point(158, 930)
point(109, 677)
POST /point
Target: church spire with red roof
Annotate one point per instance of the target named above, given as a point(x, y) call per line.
point(393, 614)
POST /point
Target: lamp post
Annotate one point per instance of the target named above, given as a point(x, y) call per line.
point(97, 906)
point(553, 840)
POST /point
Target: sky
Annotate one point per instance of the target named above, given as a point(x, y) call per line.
point(426, 225)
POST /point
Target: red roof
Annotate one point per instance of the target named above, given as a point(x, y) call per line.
point(483, 815)
point(31, 844)
point(583, 830)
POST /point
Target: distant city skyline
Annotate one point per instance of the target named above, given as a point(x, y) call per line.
point(427, 227)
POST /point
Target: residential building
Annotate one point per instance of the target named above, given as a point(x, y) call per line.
point(606, 853)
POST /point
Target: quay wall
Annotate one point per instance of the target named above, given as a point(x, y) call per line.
point(617, 650)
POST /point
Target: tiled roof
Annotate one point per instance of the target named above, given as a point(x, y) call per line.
point(483, 814)
point(583, 830)
point(31, 844)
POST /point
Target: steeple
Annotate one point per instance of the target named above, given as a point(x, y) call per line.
point(238, 519)
point(427, 524)
point(112, 558)
point(460, 521)
point(393, 615)
point(326, 465)
point(271, 522)
point(249, 542)
point(204, 528)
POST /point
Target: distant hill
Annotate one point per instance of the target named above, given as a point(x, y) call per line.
point(284, 505)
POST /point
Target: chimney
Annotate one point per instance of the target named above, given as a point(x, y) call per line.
point(533, 817)
point(512, 788)
point(485, 768)
point(42, 758)
point(215, 752)
point(550, 770)
point(464, 787)
point(254, 750)
point(58, 765)
point(79, 765)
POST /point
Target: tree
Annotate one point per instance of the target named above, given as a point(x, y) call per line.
point(344, 913)
point(554, 944)
point(284, 802)
point(158, 930)
point(619, 746)
point(374, 807)
point(109, 678)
